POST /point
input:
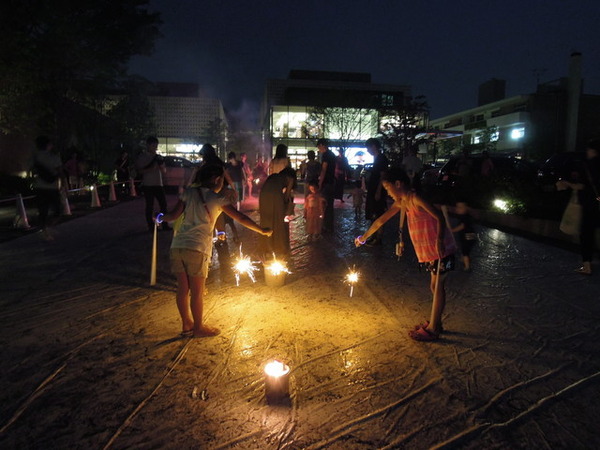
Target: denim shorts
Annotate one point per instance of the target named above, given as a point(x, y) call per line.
point(190, 262)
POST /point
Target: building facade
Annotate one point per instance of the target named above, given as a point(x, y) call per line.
point(558, 117)
point(344, 107)
point(183, 115)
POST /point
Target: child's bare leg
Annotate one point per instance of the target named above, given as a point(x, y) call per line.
point(196, 303)
point(439, 303)
point(183, 302)
point(467, 263)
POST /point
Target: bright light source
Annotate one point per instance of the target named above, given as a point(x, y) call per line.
point(276, 369)
point(500, 204)
point(277, 268)
point(187, 148)
point(517, 133)
point(244, 265)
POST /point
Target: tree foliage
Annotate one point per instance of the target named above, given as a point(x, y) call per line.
point(52, 51)
point(216, 134)
point(344, 125)
point(133, 113)
point(400, 126)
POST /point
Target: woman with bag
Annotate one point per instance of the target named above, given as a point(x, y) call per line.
point(587, 187)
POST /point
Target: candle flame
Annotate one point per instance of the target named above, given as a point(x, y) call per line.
point(276, 369)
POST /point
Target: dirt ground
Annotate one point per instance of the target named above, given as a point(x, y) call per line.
point(92, 356)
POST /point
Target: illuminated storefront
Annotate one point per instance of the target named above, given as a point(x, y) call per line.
point(299, 127)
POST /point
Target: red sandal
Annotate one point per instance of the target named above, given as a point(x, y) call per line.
point(423, 335)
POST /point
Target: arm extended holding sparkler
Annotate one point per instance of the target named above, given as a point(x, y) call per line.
point(377, 224)
point(246, 221)
point(172, 215)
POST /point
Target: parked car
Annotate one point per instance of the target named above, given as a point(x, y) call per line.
point(506, 167)
point(560, 165)
point(179, 171)
point(430, 174)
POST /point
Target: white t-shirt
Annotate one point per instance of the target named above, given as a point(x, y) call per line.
point(51, 164)
point(196, 230)
point(152, 177)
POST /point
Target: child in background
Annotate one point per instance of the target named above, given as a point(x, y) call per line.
point(358, 195)
point(314, 209)
point(466, 233)
point(191, 247)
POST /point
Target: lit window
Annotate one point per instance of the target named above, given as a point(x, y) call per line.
point(495, 136)
point(477, 139)
point(517, 133)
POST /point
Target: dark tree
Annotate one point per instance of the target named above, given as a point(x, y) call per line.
point(65, 50)
point(132, 112)
point(400, 126)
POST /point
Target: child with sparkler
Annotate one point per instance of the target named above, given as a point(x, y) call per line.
point(314, 209)
point(431, 238)
point(191, 247)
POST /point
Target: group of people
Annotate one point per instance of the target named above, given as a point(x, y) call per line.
point(205, 208)
point(201, 205)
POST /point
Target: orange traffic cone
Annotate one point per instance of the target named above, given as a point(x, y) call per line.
point(64, 203)
point(132, 188)
point(21, 217)
point(112, 195)
point(95, 197)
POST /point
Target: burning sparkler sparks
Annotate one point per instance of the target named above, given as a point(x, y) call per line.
point(352, 278)
point(277, 268)
point(244, 265)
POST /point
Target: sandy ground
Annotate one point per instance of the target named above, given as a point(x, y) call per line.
point(92, 358)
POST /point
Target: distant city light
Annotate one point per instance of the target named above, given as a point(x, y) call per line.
point(188, 148)
point(517, 133)
point(500, 204)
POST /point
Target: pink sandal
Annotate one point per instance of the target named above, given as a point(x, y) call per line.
point(423, 335)
point(425, 325)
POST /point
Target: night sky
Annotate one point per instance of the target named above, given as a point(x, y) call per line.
point(443, 49)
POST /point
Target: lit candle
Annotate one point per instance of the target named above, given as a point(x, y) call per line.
point(277, 381)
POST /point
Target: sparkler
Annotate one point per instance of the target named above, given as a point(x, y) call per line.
point(277, 268)
point(352, 279)
point(244, 265)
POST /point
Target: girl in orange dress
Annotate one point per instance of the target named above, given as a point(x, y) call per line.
point(314, 209)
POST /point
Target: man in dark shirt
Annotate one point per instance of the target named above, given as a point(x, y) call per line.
point(327, 182)
point(376, 203)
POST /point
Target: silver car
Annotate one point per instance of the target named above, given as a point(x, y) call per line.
point(179, 171)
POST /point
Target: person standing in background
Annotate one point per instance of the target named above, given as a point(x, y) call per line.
point(47, 169)
point(152, 167)
point(235, 171)
point(376, 203)
point(249, 179)
point(327, 182)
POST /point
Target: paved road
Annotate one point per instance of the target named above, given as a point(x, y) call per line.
point(91, 356)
